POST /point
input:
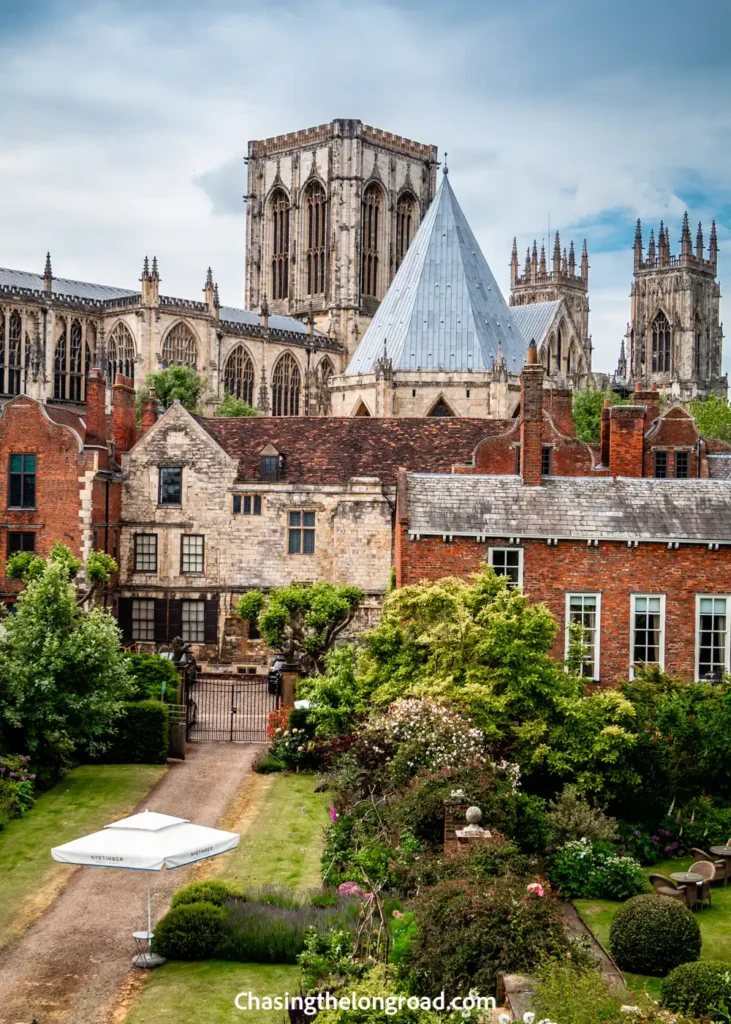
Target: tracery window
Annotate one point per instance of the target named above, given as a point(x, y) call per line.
point(286, 386)
point(559, 350)
point(372, 219)
point(279, 213)
point(660, 344)
point(121, 353)
point(324, 372)
point(238, 375)
point(71, 362)
point(179, 347)
point(11, 360)
point(405, 219)
point(316, 255)
point(90, 353)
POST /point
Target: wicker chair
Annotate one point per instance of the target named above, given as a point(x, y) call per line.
point(703, 867)
point(666, 887)
point(719, 874)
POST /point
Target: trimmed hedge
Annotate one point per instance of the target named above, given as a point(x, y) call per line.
point(190, 932)
point(149, 672)
point(210, 891)
point(697, 988)
point(653, 934)
point(141, 735)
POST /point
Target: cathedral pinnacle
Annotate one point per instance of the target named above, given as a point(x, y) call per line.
point(145, 269)
point(556, 254)
point(155, 273)
point(216, 300)
point(47, 272)
point(48, 276)
point(686, 245)
point(651, 247)
point(572, 258)
point(542, 264)
point(699, 242)
point(209, 278)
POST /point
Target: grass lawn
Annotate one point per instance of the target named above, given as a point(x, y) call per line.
point(714, 921)
point(85, 800)
point(280, 845)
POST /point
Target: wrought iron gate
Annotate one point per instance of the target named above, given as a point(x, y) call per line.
point(229, 710)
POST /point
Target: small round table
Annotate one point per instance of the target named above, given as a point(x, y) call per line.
point(691, 880)
point(725, 853)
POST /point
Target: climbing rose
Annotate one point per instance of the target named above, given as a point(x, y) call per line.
point(536, 889)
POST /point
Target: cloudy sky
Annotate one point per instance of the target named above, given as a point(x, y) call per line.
point(123, 124)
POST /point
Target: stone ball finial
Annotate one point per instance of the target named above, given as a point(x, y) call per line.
point(473, 815)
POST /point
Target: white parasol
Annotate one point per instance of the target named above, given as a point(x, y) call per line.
point(147, 842)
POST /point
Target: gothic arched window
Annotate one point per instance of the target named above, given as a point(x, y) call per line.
point(11, 359)
point(238, 375)
point(324, 372)
point(440, 409)
point(660, 344)
point(70, 362)
point(316, 251)
point(121, 353)
point(372, 221)
point(559, 350)
point(286, 384)
point(179, 347)
point(279, 216)
point(405, 220)
point(77, 368)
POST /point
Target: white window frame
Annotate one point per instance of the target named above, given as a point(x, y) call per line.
point(521, 560)
point(632, 663)
point(186, 621)
point(597, 629)
point(727, 651)
point(148, 620)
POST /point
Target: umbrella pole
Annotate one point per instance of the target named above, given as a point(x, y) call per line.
point(149, 904)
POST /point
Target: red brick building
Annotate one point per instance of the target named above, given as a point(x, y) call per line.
point(632, 537)
point(59, 476)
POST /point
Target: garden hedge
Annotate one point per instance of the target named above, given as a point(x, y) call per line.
point(653, 934)
point(697, 988)
point(210, 891)
point(150, 672)
point(193, 931)
point(141, 735)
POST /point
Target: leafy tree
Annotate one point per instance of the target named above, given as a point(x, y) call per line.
point(337, 701)
point(587, 408)
point(231, 406)
point(175, 382)
point(97, 571)
point(63, 677)
point(302, 622)
point(712, 417)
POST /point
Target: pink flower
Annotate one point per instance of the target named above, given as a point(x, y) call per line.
point(536, 889)
point(333, 814)
point(350, 889)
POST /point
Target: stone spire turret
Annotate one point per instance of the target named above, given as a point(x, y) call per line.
point(585, 265)
point(514, 263)
point(48, 276)
point(713, 246)
point(638, 244)
point(699, 242)
point(556, 255)
point(686, 243)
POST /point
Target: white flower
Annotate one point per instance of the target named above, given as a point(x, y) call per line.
point(529, 1018)
point(504, 1018)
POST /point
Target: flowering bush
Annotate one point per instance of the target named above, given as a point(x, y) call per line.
point(585, 870)
point(425, 734)
point(16, 787)
point(278, 721)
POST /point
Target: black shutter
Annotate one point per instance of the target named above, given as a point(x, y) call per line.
point(175, 618)
point(124, 618)
point(161, 620)
point(210, 621)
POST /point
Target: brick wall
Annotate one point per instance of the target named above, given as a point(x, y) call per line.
point(611, 569)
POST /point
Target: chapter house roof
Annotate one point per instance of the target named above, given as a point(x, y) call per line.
point(444, 309)
point(570, 508)
point(534, 319)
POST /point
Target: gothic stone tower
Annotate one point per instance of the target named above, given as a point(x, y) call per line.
point(538, 284)
point(675, 338)
point(330, 214)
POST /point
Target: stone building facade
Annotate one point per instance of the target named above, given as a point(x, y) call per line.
point(675, 336)
point(331, 212)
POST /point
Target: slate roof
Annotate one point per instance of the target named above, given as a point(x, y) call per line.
point(570, 508)
point(62, 286)
point(534, 319)
point(252, 318)
point(719, 465)
point(332, 449)
point(444, 309)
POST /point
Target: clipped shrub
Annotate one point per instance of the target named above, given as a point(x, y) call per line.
point(210, 891)
point(141, 734)
point(583, 870)
point(570, 817)
point(697, 988)
point(193, 931)
point(266, 764)
point(150, 674)
point(653, 934)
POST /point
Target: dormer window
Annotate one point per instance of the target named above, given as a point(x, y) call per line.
point(270, 463)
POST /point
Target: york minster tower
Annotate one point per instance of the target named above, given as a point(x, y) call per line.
point(331, 212)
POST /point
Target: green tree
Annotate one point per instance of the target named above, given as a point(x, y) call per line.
point(587, 408)
point(231, 406)
point(63, 676)
point(712, 416)
point(97, 570)
point(303, 623)
point(175, 382)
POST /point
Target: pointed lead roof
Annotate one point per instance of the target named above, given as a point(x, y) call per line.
point(444, 309)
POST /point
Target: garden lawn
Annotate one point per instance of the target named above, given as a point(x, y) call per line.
point(281, 844)
point(714, 921)
point(84, 801)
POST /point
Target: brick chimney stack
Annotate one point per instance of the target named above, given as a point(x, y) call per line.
point(96, 414)
point(531, 419)
point(149, 411)
point(651, 401)
point(626, 439)
point(604, 437)
point(124, 417)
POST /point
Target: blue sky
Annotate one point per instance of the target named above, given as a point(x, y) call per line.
point(124, 124)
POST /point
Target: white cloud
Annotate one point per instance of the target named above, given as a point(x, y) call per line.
point(124, 132)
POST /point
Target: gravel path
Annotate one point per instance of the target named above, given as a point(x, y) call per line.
point(70, 964)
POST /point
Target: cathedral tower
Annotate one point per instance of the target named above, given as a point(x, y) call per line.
point(675, 337)
point(331, 212)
